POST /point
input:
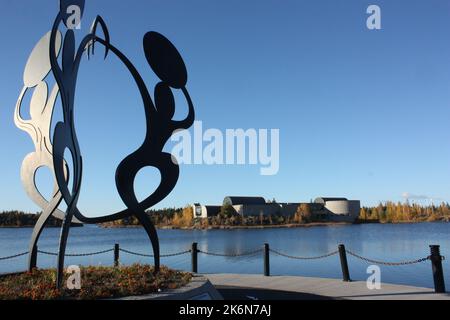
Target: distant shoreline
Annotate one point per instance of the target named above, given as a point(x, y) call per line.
point(76, 225)
point(227, 227)
point(275, 226)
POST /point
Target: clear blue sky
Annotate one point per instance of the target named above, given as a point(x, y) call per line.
point(362, 114)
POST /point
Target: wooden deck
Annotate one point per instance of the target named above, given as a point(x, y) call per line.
point(319, 287)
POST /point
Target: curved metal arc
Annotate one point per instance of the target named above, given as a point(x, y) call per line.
point(64, 136)
point(63, 238)
point(56, 70)
point(152, 234)
point(99, 20)
point(40, 224)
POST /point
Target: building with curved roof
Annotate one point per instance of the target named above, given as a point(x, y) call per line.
point(323, 200)
point(339, 208)
point(232, 201)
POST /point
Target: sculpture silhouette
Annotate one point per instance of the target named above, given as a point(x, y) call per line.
point(168, 65)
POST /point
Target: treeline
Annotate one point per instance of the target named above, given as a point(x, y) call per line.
point(160, 217)
point(390, 212)
point(22, 219)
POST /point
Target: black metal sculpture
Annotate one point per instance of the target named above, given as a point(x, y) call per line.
point(167, 64)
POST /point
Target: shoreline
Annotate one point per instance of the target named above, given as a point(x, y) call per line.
point(32, 226)
point(227, 227)
point(275, 226)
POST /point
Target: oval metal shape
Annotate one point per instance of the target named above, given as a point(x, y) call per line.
point(38, 64)
point(165, 60)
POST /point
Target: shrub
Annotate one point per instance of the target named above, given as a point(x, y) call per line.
point(96, 283)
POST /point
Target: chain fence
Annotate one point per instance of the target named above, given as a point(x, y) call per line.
point(231, 255)
point(13, 256)
point(150, 255)
point(277, 252)
point(247, 253)
point(435, 258)
point(387, 263)
point(76, 254)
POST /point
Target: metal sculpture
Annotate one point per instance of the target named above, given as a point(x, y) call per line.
point(166, 63)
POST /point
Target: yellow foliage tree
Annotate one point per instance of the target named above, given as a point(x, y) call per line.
point(303, 214)
point(183, 218)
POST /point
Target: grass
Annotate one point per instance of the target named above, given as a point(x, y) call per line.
point(96, 283)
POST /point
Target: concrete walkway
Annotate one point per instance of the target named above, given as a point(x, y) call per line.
point(283, 287)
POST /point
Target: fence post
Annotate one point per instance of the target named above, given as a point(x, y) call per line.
point(436, 265)
point(194, 257)
point(33, 258)
point(116, 255)
point(266, 260)
point(344, 263)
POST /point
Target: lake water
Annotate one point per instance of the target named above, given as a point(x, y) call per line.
point(390, 242)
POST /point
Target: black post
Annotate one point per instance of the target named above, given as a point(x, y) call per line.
point(344, 263)
point(116, 255)
point(438, 273)
point(194, 259)
point(33, 258)
point(266, 260)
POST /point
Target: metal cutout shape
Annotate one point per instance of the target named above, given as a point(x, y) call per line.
point(166, 63)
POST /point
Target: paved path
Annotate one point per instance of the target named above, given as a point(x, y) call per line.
point(250, 286)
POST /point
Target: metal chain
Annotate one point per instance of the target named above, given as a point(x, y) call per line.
point(304, 258)
point(402, 263)
point(249, 253)
point(14, 256)
point(150, 255)
point(76, 254)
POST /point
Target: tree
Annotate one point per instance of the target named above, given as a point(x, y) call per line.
point(227, 211)
point(303, 214)
point(184, 218)
point(363, 214)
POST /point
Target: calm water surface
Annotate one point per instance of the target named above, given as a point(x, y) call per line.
point(383, 242)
